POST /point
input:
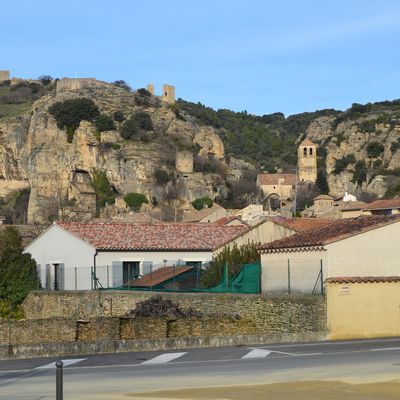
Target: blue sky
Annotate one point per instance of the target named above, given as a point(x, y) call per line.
point(259, 56)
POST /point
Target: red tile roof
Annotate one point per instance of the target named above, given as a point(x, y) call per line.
point(301, 224)
point(160, 275)
point(363, 279)
point(382, 204)
point(118, 236)
point(307, 142)
point(337, 230)
point(273, 179)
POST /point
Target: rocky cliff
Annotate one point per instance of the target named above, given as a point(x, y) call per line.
point(360, 148)
point(35, 153)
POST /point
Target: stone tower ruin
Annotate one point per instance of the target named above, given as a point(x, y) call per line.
point(168, 94)
point(150, 88)
point(307, 161)
point(4, 75)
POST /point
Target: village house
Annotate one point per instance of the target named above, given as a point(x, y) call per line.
point(70, 254)
point(378, 207)
point(207, 215)
point(364, 246)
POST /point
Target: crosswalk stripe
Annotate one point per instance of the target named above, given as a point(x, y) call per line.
point(257, 353)
point(65, 362)
point(164, 358)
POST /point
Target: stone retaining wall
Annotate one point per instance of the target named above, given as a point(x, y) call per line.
point(38, 331)
point(288, 313)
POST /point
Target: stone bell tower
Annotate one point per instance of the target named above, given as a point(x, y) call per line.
point(307, 161)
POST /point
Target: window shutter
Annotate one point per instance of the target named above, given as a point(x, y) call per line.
point(147, 267)
point(117, 276)
point(48, 278)
point(61, 277)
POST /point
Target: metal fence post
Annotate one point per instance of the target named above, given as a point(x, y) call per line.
point(288, 273)
point(59, 380)
point(322, 278)
point(76, 278)
point(108, 276)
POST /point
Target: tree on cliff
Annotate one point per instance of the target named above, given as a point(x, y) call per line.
point(322, 182)
point(18, 274)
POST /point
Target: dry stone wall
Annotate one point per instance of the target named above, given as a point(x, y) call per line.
point(290, 313)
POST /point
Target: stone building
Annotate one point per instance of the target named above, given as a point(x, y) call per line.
point(184, 162)
point(4, 75)
point(168, 94)
point(307, 161)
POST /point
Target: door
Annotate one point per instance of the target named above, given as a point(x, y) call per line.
point(130, 271)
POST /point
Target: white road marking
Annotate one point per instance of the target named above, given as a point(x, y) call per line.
point(386, 348)
point(164, 358)
point(257, 353)
point(66, 363)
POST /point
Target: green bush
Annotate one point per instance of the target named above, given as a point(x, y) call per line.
point(135, 200)
point(144, 92)
point(137, 125)
point(104, 123)
point(143, 121)
point(103, 189)
point(162, 176)
point(122, 84)
point(322, 182)
point(360, 173)
point(199, 203)
point(119, 116)
point(235, 257)
point(375, 149)
point(394, 146)
point(18, 274)
point(70, 113)
point(342, 163)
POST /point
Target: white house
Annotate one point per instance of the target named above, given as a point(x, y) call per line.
point(363, 246)
point(69, 254)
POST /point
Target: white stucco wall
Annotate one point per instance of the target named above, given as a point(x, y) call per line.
point(265, 232)
point(372, 253)
point(57, 246)
point(304, 270)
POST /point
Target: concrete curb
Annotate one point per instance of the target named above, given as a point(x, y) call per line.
point(23, 351)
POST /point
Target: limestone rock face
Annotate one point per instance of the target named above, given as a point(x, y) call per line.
point(35, 153)
point(209, 142)
point(351, 138)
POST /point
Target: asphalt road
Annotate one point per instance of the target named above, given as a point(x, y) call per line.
point(113, 375)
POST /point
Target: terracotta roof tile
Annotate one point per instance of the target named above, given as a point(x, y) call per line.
point(301, 224)
point(307, 142)
point(180, 236)
point(273, 179)
point(331, 232)
point(363, 279)
point(160, 275)
point(382, 204)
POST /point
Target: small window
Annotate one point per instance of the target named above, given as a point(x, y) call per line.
point(310, 151)
point(305, 151)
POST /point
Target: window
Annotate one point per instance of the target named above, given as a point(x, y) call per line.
point(130, 271)
point(305, 151)
point(310, 151)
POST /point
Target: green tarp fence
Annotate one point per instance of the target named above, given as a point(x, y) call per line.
point(248, 280)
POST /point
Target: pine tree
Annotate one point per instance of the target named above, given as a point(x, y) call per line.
point(322, 182)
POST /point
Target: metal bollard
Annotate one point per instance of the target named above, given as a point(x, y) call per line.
point(59, 380)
